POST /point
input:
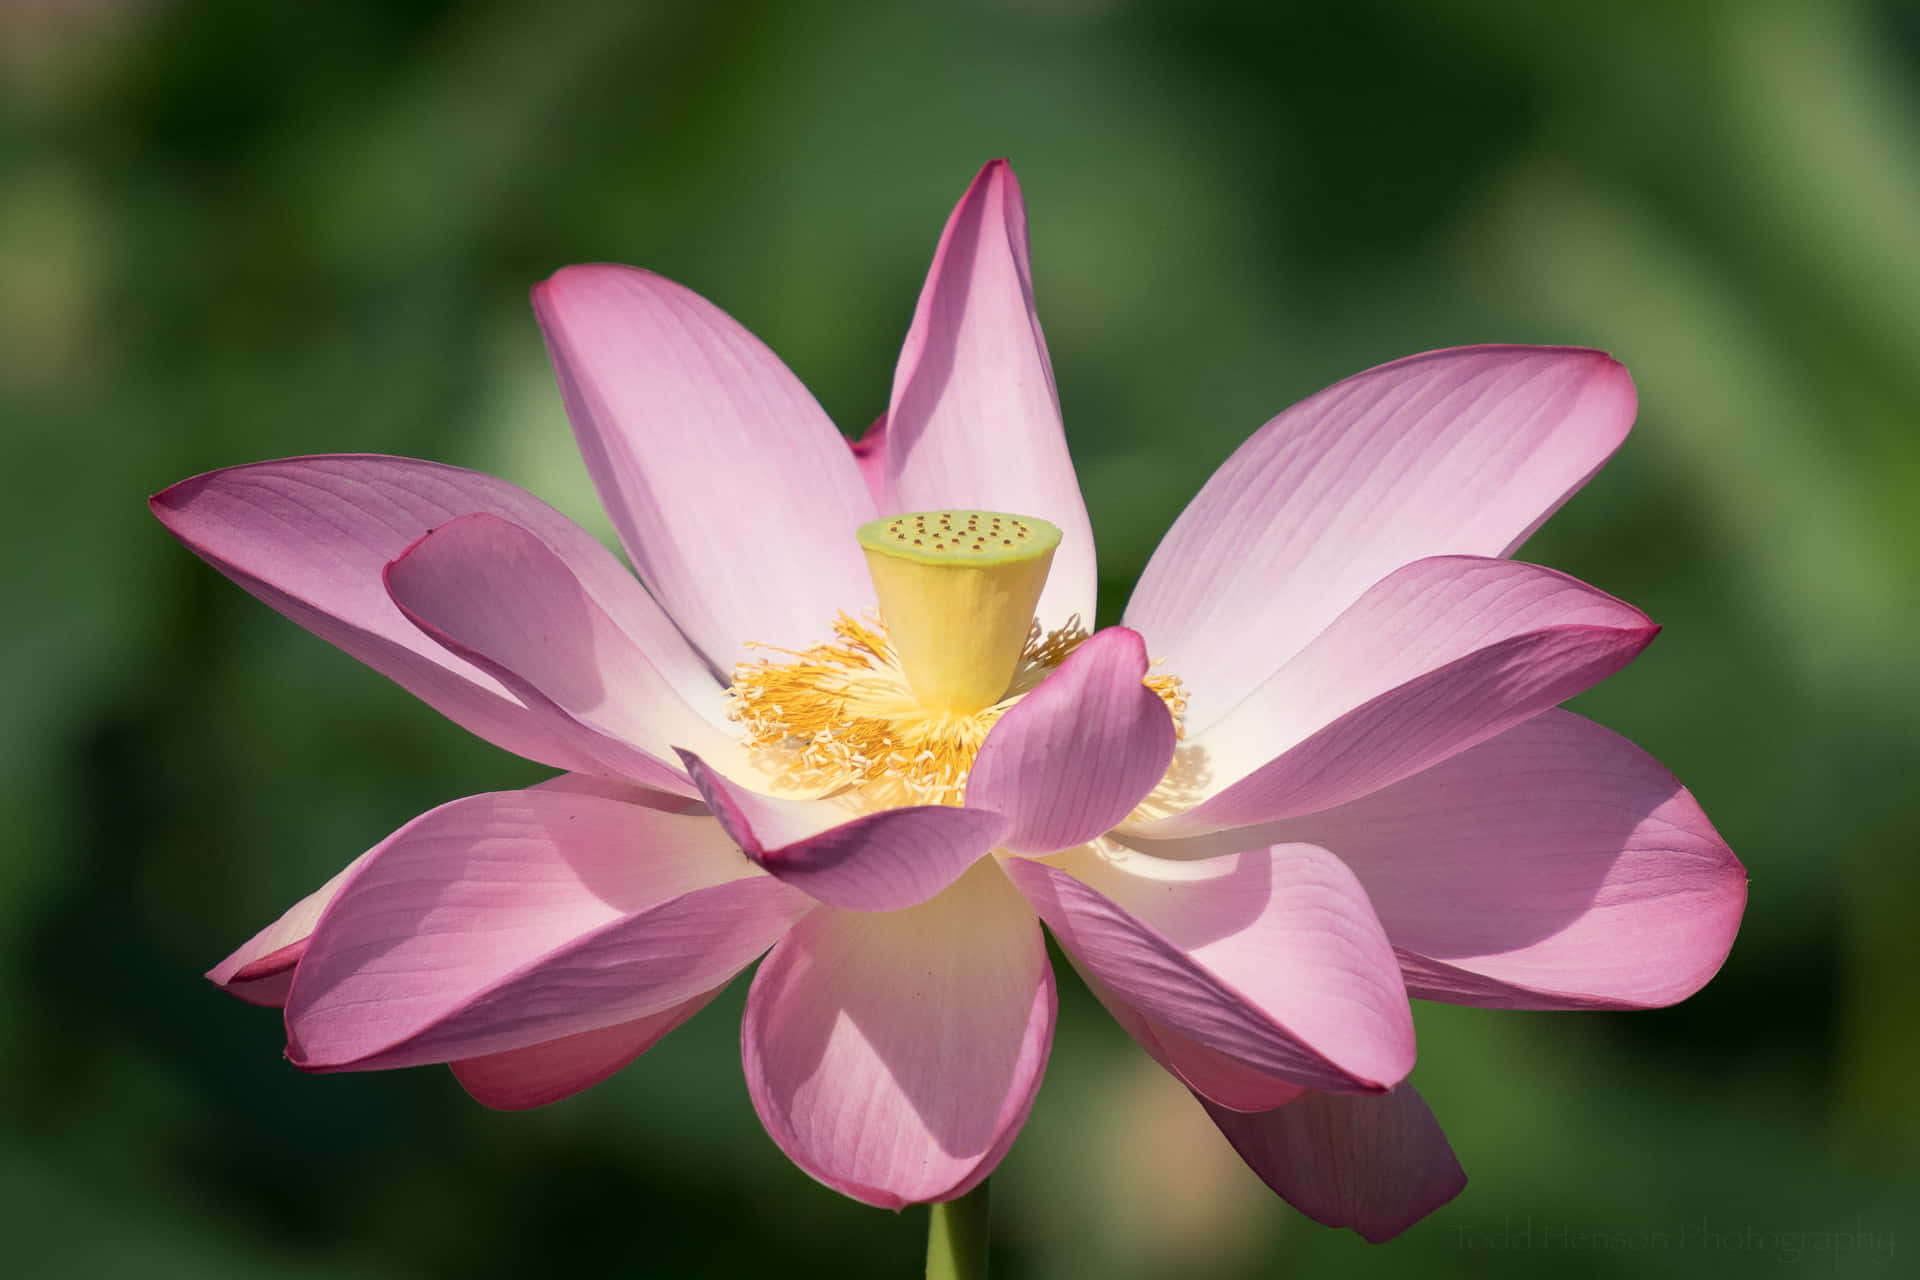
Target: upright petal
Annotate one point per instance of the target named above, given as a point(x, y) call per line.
point(1451, 452)
point(870, 453)
point(311, 536)
point(520, 1079)
point(1555, 866)
point(732, 492)
point(1376, 1164)
point(975, 421)
point(1271, 957)
point(1072, 758)
point(494, 594)
point(1441, 655)
point(894, 1056)
point(508, 920)
point(880, 861)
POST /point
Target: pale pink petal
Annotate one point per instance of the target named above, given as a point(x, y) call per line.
point(1071, 759)
point(894, 1056)
point(974, 421)
point(310, 537)
point(519, 1079)
point(508, 920)
point(1464, 451)
point(1271, 957)
point(879, 861)
point(1209, 1073)
point(1555, 866)
point(734, 495)
point(870, 452)
point(1440, 655)
point(1377, 1164)
point(494, 594)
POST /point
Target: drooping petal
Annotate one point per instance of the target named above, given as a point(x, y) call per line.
point(310, 537)
point(261, 971)
point(974, 421)
point(1440, 655)
point(1072, 758)
point(1555, 866)
point(732, 492)
point(1219, 1079)
point(1271, 957)
point(881, 861)
point(520, 1079)
point(512, 919)
point(1376, 1164)
point(494, 594)
point(1209, 1073)
point(1450, 452)
point(894, 1056)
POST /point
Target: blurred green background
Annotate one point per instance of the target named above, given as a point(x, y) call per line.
point(245, 229)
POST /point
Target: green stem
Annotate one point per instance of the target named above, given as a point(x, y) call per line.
point(957, 1237)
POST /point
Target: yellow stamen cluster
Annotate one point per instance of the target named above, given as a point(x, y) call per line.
point(842, 717)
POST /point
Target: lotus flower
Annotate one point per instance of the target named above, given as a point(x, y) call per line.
point(849, 710)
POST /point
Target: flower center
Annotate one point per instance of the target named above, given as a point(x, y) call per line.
point(894, 710)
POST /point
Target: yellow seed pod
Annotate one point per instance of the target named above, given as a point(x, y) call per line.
point(957, 591)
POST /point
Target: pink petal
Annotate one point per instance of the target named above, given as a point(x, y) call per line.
point(880, 861)
point(733, 493)
point(975, 421)
point(1071, 759)
point(870, 452)
point(508, 920)
point(1214, 1077)
point(1270, 957)
point(1464, 451)
point(894, 1056)
point(261, 972)
point(1211, 1074)
point(310, 537)
point(520, 1079)
point(1376, 1164)
point(492, 593)
point(590, 784)
point(1440, 655)
point(1555, 866)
